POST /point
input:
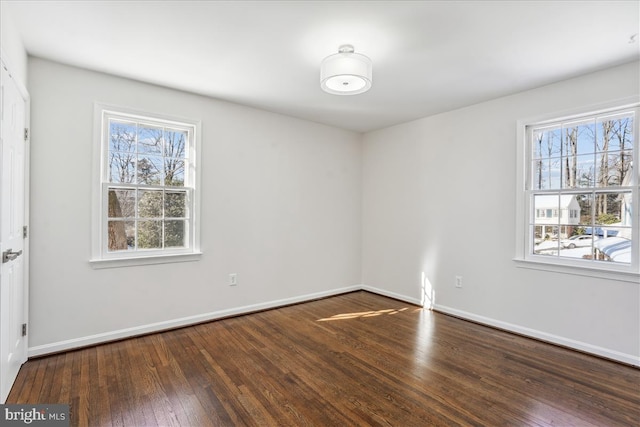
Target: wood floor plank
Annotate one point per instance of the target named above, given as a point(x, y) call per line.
point(356, 359)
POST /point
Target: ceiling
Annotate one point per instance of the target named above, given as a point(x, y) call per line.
point(428, 56)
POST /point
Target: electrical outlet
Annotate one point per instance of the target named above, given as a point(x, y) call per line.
point(458, 281)
point(233, 279)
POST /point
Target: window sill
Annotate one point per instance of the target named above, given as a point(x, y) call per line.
point(588, 271)
point(144, 260)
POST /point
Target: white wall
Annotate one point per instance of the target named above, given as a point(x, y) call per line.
point(439, 200)
point(13, 50)
point(281, 207)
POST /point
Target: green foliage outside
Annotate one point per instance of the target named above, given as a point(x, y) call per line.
point(607, 218)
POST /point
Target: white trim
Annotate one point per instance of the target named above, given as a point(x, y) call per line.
point(27, 216)
point(576, 270)
point(542, 336)
point(574, 113)
point(144, 260)
point(26, 254)
point(176, 323)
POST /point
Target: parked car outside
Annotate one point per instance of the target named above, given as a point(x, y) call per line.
point(579, 241)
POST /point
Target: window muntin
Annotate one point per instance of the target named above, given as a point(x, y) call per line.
point(147, 186)
point(581, 182)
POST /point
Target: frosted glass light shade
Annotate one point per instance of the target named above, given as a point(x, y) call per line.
point(346, 72)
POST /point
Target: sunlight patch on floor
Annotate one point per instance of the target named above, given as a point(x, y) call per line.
point(345, 316)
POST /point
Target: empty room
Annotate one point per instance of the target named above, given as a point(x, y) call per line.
point(323, 213)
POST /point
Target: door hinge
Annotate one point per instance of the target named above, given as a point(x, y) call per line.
point(24, 329)
point(25, 232)
point(26, 134)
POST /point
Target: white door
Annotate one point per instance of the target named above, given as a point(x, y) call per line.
point(13, 277)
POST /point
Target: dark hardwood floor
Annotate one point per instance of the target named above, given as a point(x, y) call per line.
point(352, 360)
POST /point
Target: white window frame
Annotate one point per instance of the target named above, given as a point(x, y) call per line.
point(100, 256)
point(524, 255)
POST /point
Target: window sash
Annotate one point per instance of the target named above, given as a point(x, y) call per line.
point(106, 115)
point(136, 218)
point(533, 215)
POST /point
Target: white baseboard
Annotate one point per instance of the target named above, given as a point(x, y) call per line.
point(389, 294)
point(542, 336)
point(74, 343)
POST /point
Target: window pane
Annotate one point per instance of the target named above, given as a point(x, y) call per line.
point(174, 172)
point(150, 203)
point(544, 207)
point(122, 167)
point(149, 234)
point(569, 215)
point(538, 235)
point(545, 240)
point(121, 235)
point(585, 214)
point(175, 143)
point(150, 140)
point(613, 249)
point(614, 168)
point(613, 208)
point(580, 139)
point(613, 227)
point(174, 235)
point(615, 133)
point(545, 227)
point(547, 143)
point(546, 174)
point(574, 245)
point(578, 171)
point(608, 173)
point(122, 203)
point(174, 205)
point(150, 170)
point(122, 137)
point(586, 171)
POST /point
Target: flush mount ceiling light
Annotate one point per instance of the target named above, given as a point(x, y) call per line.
point(346, 72)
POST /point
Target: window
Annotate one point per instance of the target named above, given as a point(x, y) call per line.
point(580, 200)
point(146, 201)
